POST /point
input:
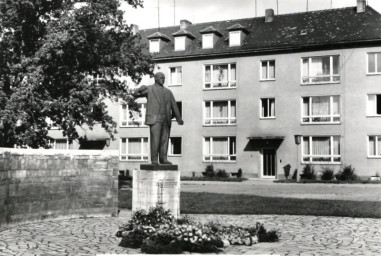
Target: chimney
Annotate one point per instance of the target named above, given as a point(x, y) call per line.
point(361, 4)
point(135, 29)
point(269, 15)
point(184, 24)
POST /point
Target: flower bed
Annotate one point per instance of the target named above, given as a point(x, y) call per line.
point(328, 181)
point(186, 178)
point(157, 232)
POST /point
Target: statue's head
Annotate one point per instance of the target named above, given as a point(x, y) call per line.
point(159, 78)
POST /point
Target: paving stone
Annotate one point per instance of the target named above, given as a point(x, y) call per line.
point(300, 235)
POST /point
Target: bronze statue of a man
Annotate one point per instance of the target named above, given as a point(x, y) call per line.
point(160, 105)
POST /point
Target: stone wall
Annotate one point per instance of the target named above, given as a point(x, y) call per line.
point(37, 185)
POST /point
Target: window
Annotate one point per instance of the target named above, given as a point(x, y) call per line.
point(134, 149)
point(60, 144)
point(268, 70)
point(98, 77)
point(374, 63)
point(321, 109)
point(374, 105)
point(317, 70)
point(268, 108)
point(234, 38)
point(220, 76)
point(176, 76)
point(137, 119)
point(51, 123)
point(154, 45)
point(174, 146)
point(321, 149)
point(219, 149)
point(180, 107)
point(180, 43)
point(207, 41)
point(220, 112)
point(374, 149)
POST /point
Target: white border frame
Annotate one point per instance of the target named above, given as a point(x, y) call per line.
point(378, 150)
point(141, 149)
point(181, 146)
point(262, 176)
point(211, 76)
point(302, 155)
point(260, 70)
point(331, 75)
point(169, 75)
point(143, 113)
point(310, 108)
point(211, 147)
point(229, 112)
point(375, 63)
point(260, 108)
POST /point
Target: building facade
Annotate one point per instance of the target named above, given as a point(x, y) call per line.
point(267, 95)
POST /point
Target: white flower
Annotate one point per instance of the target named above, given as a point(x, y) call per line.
point(254, 239)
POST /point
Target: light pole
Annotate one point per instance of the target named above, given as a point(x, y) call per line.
point(298, 139)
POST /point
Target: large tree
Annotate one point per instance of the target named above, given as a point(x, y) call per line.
point(50, 51)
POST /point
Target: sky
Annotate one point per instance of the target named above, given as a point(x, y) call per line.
point(198, 11)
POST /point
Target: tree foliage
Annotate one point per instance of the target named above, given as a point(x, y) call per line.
point(50, 52)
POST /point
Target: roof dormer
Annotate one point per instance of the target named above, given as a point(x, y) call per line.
point(210, 36)
point(156, 41)
point(237, 33)
point(182, 39)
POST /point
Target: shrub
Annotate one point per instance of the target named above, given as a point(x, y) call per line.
point(294, 174)
point(265, 236)
point(239, 173)
point(183, 178)
point(287, 169)
point(222, 173)
point(327, 174)
point(209, 171)
point(308, 173)
point(347, 174)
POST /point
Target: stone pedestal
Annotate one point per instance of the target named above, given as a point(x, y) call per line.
point(156, 185)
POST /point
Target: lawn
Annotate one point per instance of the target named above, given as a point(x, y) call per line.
point(185, 178)
point(211, 203)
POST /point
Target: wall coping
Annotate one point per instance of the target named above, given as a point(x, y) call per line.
point(16, 151)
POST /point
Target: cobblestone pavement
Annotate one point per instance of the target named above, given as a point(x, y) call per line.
point(300, 235)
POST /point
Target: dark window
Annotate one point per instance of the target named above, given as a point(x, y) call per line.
point(175, 146)
point(180, 107)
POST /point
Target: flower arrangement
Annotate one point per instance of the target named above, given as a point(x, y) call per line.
point(157, 232)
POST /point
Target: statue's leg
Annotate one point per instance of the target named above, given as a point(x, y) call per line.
point(155, 131)
point(164, 139)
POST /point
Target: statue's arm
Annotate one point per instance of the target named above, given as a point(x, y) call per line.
point(176, 110)
point(142, 91)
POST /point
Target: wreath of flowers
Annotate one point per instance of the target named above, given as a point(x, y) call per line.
point(157, 231)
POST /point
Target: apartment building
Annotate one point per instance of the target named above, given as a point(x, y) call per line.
point(267, 94)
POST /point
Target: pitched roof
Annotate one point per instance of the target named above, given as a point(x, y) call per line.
point(295, 31)
point(210, 29)
point(237, 26)
point(184, 32)
point(156, 35)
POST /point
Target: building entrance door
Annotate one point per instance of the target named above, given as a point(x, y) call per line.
point(268, 163)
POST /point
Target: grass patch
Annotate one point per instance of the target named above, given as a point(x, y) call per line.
point(127, 182)
point(211, 203)
point(186, 178)
point(329, 181)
